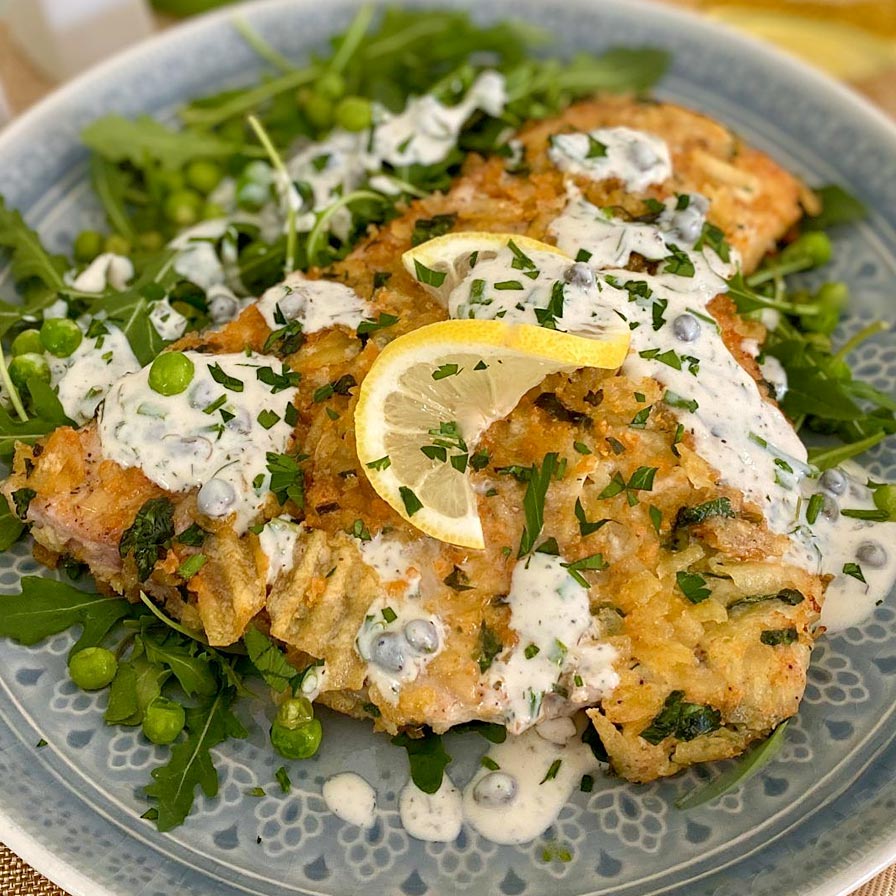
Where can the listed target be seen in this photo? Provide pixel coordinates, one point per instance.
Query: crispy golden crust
(712, 650)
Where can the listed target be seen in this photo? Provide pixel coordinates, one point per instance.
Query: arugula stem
(830, 457)
(878, 326)
(289, 263)
(261, 46)
(11, 390)
(248, 100)
(395, 43)
(353, 36)
(195, 636)
(778, 272)
(315, 237)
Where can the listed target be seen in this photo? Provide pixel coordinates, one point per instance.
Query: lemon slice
(431, 394)
(844, 50)
(441, 263)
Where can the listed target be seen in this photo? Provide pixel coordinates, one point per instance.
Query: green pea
(182, 207)
(27, 341)
(830, 300)
(88, 244)
(212, 210)
(297, 743)
(151, 240)
(117, 244)
(318, 110)
(354, 113)
(163, 721)
(60, 336)
(203, 175)
(814, 246)
(27, 366)
(92, 668)
(330, 85)
(885, 499)
(171, 373)
(170, 181)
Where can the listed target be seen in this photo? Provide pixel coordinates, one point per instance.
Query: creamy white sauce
(436, 817)
(842, 543)
(83, 379)
(494, 290)
(314, 681)
(388, 642)
(105, 271)
(427, 130)
(558, 647)
(752, 457)
(168, 322)
(534, 802)
(278, 540)
(388, 557)
(636, 158)
(197, 258)
(316, 304)
(349, 797)
(58, 309)
(422, 134)
(210, 435)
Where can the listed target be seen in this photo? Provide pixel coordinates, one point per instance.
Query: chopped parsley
(533, 501)
(693, 586)
(489, 647)
(228, 382)
(428, 276)
(779, 637)
(681, 719)
(411, 502)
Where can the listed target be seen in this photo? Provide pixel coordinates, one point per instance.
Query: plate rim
(27, 847)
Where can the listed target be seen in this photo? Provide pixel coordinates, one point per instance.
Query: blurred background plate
(820, 820)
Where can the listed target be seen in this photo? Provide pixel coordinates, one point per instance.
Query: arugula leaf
(29, 258)
(110, 185)
(269, 660)
(837, 207)
(746, 766)
(190, 764)
(427, 757)
(146, 140)
(45, 607)
(11, 527)
(149, 535)
(131, 308)
(492, 732)
(137, 683)
(193, 672)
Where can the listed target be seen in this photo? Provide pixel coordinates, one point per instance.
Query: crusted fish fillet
(710, 653)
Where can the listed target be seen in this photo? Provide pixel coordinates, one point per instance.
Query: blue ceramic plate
(819, 820)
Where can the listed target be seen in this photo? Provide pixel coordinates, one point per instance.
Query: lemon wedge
(431, 394)
(441, 263)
